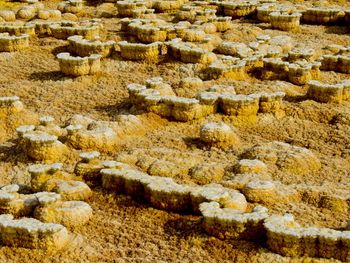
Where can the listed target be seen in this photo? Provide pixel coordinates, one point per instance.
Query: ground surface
(123, 230)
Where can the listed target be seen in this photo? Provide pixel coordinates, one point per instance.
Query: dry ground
(123, 230)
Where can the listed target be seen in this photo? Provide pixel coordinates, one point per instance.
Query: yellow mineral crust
(10, 43)
(71, 6)
(250, 166)
(288, 238)
(87, 29)
(31, 233)
(219, 135)
(322, 15)
(127, 7)
(138, 51)
(327, 93)
(165, 193)
(239, 8)
(227, 198)
(42, 173)
(68, 213)
(149, 99)
(43, 147)
(285, 21)
(288, 158)
(227, 67)
(84, 47)
(79, 66)
(17, 29)
(229, 223)
(68, 189)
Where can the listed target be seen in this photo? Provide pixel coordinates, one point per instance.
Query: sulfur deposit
(79, 66)
(87, 29)
(288, 158)
(229, 223)
(174, 131)
(85, 48)
(41, 174)
(68, 213)
(138, 51)
(326, 93)
(17, 29)
(287, 237)
(13, 43)
(285, 21)
(32, 233)
(206, 103)
(219, 135)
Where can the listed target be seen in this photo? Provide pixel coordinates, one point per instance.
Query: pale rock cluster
(239, 180)
(227, 67)
(288, 238)
(331, 199)
(71, 6)
(323, 15)
(225, 211)
(84, 47)
(8, 15)
(139, 51)
(174, 164)
(30, 12)
(329, 93)
(87, 134)
(12, 114)
(250, 166)
(188, 52)
(52, 209)
(206, 173)
(298, 72)
(208, 102)
(285, 21)
(267, 192)
(17, 29)
(230, 223)
(41, 146)
(50, 178)
(130, 8)
(288, 158)
(238, 9)
(11, 104)
(164, 193)
(264, 10)
(339, 61)
(273, 56)
(67, 213)
(219, 135)
(32, 233)
(89, 29)
(49, 142)
(90, 165)
(79, 66)
(167, 6)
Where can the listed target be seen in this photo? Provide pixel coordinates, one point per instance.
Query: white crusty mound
(31, 233)
(288, 158)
